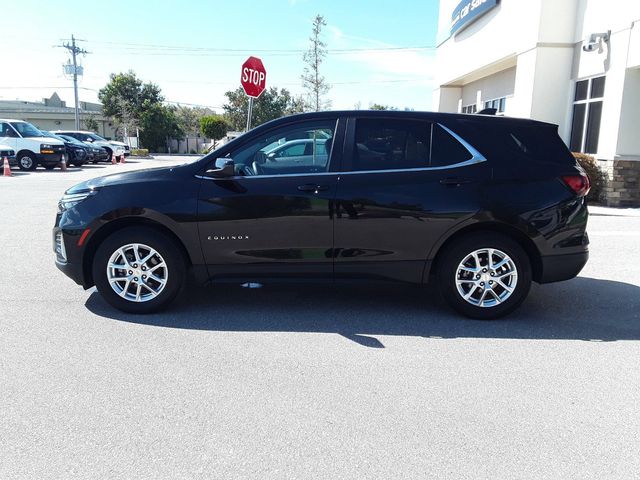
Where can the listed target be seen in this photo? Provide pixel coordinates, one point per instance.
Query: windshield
(96, 137)
(26, 129)
(70, 139)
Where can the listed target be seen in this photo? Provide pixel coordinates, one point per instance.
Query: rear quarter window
(445, 149)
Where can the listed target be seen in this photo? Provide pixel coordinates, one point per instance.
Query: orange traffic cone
(122, 158)
(113, 159)
(63, 164)
(7, 168)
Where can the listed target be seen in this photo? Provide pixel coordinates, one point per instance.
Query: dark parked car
(93, 153)
(77, 152)
(478, 205)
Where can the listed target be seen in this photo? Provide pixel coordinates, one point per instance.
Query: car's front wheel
(27, 161)
(485, 275)
(139, 270)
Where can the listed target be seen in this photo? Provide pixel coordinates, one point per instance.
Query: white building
(575, 63)
(53, 114)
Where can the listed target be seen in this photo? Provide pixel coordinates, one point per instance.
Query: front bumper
(66, 257)
(49, 158)
(100, 157)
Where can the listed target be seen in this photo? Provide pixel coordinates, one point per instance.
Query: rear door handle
(455, 182)
(312, 187)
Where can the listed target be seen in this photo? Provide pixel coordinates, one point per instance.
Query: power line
(174, 50)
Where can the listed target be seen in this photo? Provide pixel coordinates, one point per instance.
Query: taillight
(580, 184)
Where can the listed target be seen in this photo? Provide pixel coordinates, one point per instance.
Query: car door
(8, 136)
(274, 222)
(405, 182)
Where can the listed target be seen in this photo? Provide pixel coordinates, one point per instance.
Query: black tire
(447, 275)
(168, 250)
(27, 161)
(49, 167)
(109, 155)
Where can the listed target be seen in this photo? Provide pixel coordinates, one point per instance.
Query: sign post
(253, 78)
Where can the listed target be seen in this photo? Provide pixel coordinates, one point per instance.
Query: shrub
(213, 126)
(596, 176)
(192, 151)
(140, 152)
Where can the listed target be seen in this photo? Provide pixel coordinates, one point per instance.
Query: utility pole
(75, 51)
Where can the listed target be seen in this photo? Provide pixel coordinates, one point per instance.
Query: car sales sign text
(468, 11)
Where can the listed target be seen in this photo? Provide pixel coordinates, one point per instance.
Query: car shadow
(586, 309)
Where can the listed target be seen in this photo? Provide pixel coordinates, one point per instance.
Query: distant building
(53, 114)
(575, 63)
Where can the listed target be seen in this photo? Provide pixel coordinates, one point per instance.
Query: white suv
(111, 147)
(32, 147)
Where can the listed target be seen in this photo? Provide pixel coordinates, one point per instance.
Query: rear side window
(387, 144)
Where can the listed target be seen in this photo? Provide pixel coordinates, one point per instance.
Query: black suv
(481, 205)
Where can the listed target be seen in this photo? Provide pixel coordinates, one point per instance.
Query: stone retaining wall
(623, 182)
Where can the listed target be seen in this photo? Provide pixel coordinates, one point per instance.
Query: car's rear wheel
(139, 270)
(27, 161)
(485, 275)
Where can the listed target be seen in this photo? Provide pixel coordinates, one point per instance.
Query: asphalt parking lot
(312, 382)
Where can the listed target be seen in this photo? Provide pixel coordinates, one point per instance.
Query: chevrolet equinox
(480, 205)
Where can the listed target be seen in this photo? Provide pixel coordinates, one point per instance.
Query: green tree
(314, 83)
(126, 97)
(270, 105)
(214, 127)
(377, 106)
(158, 124)
(90, 123)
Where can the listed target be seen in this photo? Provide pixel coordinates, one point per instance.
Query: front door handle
(455, 182)
(312, 187)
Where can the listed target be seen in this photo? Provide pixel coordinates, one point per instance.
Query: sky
(379, 51)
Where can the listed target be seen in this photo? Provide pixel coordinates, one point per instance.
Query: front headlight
(46, 148)
(70, 200)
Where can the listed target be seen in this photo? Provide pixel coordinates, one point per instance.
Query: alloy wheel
(137, 272)
(486, 277)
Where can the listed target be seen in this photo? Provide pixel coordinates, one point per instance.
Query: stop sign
(253, 77)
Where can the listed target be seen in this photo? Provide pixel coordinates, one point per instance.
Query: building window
(498, 103)
(587, 112)
(469, 109)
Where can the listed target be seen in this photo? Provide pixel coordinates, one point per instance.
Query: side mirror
(224, 167)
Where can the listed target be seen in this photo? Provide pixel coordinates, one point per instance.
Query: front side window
(302, 148)
(587, 112)
(7, 131)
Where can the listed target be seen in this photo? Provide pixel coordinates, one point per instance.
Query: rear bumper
(556, 268)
